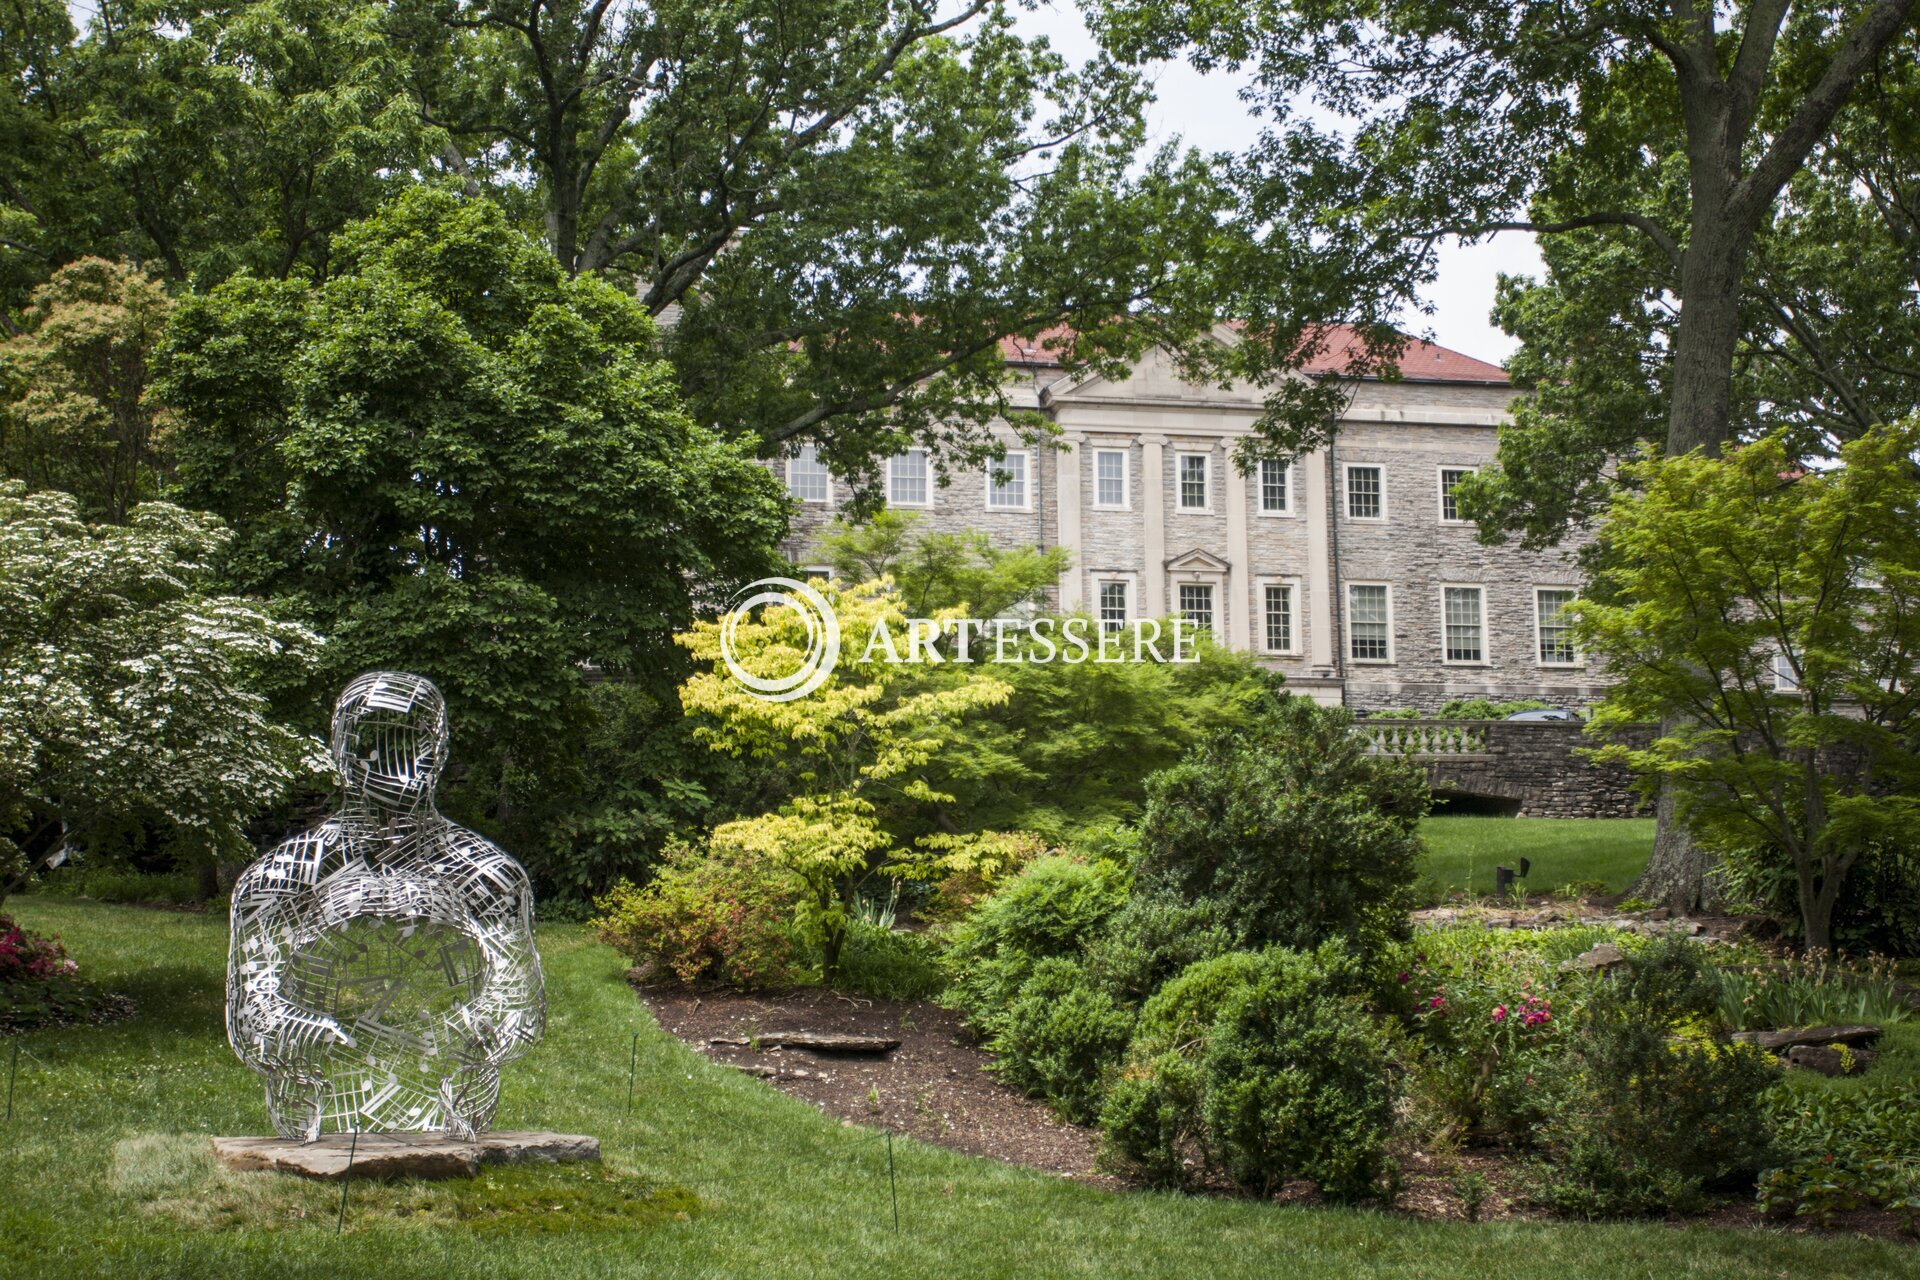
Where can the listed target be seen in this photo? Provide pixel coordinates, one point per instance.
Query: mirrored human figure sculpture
(382, 967)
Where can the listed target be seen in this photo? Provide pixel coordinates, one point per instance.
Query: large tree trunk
(1679, 874)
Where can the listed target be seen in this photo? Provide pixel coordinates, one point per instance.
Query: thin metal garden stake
(892, 1187)
(346, 1178)
(13, 1067)
(633, 1059)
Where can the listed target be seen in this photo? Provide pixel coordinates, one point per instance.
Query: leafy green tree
(934, 571)
(74, 410)
(451, 458)
(133, 696)
(1071, 749)
(205, 138)
(1770, 617)
(1829, 342)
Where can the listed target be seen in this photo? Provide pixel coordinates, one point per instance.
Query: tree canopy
(844, 206)
(1396, 125)
(452, 458)
(74, 410)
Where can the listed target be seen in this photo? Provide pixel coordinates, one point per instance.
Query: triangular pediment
(1197, 561)
(1154, 379)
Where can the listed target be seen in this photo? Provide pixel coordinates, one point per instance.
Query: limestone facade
(1141, 489)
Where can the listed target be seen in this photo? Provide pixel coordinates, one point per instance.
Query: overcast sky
(1206, 112)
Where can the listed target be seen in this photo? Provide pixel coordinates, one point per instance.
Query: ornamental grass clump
(1810, 991)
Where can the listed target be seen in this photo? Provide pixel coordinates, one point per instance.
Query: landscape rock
(402, 1155)
(1829, 1061)
(1787, 1037)
(1604, 955)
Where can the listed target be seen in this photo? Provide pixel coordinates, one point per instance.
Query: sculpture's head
(390, 740)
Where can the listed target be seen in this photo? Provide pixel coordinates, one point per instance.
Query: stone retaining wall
(1532, 763)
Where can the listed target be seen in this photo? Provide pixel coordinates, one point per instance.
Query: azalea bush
(707, 918)
(39, 982)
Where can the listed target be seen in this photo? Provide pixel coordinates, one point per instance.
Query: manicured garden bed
(719, 1174)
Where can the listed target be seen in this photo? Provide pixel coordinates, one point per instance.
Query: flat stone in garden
(1790, 1036)
(818, 1041)
(402, 1155)
(1603, 956)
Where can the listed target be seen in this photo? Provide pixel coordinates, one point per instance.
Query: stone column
(1066, 475)
(1153, 499)
(1320, 585)
(1239, 551)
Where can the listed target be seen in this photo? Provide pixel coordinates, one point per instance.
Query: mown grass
(1462, 852)
(104, 1172)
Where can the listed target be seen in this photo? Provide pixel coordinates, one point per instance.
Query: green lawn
(105, 1172)
(1462, 852)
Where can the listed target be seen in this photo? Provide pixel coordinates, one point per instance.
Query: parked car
(1546, 713)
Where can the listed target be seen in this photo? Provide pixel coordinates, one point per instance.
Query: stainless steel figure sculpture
(382, 965)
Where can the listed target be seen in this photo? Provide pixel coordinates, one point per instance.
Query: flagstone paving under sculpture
(383, 965)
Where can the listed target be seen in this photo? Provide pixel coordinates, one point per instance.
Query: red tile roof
(1419, 360)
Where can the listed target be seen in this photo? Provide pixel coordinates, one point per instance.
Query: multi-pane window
(1196, 604)
(1113, 606)
(1555, 626)
(907, 482)
(1366, 495)
(1007, 482)
(1369, 625)
(1279, 618)
(1464, 624)
(1784, 677)
(807, 477)
(1274, 491)
(1109, 478)
(1193, 482)
(1450, 478)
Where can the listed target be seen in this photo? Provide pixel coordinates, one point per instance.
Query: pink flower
(1436, 1002)
(1405, 976)
(1499, 1013)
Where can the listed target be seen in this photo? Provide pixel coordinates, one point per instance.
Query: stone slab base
(402, 1155)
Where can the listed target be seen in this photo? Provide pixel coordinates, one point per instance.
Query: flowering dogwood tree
(128, 692)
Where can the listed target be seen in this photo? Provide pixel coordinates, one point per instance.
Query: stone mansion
(1351, 571)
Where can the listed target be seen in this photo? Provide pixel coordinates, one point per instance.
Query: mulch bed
(937, 1086)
